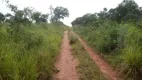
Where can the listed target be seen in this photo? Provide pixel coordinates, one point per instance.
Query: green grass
(29, 52)
(132, 62)
(119, 44)
(86, 68)
(113, 60)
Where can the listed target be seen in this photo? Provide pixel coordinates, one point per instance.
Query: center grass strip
(87, 69)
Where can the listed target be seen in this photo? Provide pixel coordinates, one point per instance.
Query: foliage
(59, 13)
(126, 11)
(122, 41)
(28, 15)
(115, 33)
(28, 49)
(87, 69)
(28, 53)
(2, 17)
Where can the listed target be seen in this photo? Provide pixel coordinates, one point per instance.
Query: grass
(120, 45)
(132, 62)
(86, 68)
(29, 52)
(113, 60)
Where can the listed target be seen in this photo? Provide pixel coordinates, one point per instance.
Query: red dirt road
(66, 64)
(105, 68)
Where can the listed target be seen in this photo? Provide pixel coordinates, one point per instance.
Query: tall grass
(121, 42)
(132, 62)
(87, 69)
(28, 52)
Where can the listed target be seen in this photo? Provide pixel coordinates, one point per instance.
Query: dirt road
(105, 68)
(66, 64)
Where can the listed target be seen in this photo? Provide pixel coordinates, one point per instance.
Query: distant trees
(127, 10)
(29, 15)
(85, 19)
(44, 17)
(35, 16)
(59, 13)
(2, 17)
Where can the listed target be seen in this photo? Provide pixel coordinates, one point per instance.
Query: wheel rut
(65, 63)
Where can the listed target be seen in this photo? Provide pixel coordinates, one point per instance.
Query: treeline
(126, 11)
(116, 33)
(29, 15)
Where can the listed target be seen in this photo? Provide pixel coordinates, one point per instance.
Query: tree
(77, 21)
(28, 13)
(60, 13)
(35, 16)
(126, 10)
(103, 14)
(2, 17)
(51, 15)
(13, 8)
(19, 14)
(86, 19)
(9, 17)
(38, 17)
(44, 17)
(105, 9)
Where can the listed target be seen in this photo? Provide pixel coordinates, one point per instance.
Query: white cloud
(76, 7)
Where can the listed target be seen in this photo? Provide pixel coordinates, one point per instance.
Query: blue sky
(76, 7)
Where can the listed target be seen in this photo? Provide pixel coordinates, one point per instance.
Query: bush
(106, 39)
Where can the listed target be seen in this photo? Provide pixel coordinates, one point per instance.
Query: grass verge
(87, 69)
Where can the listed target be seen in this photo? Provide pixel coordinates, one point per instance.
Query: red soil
(66, 64)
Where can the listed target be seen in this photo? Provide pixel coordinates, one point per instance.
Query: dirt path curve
(66, 64)
(104, 67)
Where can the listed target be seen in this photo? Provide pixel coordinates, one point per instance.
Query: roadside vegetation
(28, 54)
(29, 44)
(87, 69)
(116, 35)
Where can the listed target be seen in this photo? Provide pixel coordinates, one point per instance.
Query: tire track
(66, 64)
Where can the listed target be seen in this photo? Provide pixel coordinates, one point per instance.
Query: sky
(76, 8)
